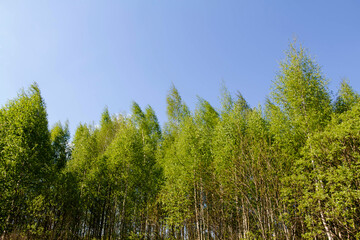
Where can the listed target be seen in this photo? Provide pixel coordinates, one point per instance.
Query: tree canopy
(286, 170)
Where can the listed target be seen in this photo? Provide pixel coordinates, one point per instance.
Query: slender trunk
(238, 220)
(202, 215)
(122, 219)
(327, 230)
(102, 219)
(245, 227)
(196, 212)
(272, 219)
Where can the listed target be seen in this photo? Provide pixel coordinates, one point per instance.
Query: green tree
(300, 106)
(149, 174)
(124, 159)
(60, 136)
(25, 162)
(173, 193)
(81, 168)
(177, 110)
(346, 98)
(329, 177)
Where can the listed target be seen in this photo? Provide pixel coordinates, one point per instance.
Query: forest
(287, 170)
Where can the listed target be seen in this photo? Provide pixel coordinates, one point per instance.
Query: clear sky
(88, 54)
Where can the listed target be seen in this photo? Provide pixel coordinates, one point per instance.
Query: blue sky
(86, 55)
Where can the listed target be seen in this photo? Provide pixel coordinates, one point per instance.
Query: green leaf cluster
(286, 170)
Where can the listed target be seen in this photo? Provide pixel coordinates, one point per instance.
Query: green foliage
(25, 159)
(177, 111)
(330, 175)
(60, 136)
(300, 92)
(290, 170)
(346, 98)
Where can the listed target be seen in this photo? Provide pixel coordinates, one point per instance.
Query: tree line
(287, 170)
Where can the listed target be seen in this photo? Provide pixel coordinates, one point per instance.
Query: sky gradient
(86, 55)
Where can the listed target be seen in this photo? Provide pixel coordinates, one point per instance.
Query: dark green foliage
(60, 136)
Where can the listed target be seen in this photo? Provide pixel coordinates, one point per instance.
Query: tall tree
(173, 193)
(25, 161)
(301, 105)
